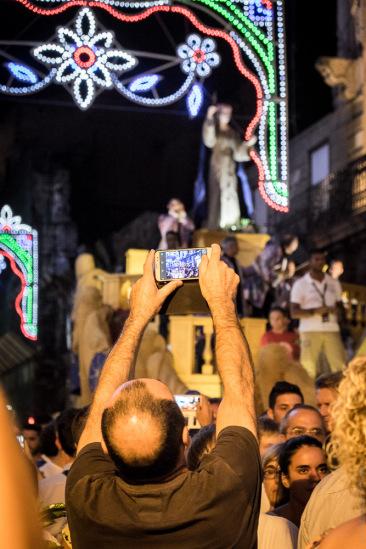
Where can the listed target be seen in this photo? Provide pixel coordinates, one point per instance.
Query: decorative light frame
(19, 244)
(255, 30)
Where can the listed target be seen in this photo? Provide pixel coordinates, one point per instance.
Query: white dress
(223, 198)
(276, 533)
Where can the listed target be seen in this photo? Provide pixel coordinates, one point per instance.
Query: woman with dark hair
(302, 464)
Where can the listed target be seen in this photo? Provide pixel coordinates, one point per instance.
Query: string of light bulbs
(256, 31)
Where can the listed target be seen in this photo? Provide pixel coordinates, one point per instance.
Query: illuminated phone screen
(178, 264)
(187, 403)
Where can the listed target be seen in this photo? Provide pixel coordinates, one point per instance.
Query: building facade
(328, 159)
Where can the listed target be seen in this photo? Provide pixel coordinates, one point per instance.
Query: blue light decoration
(32, 88)
(195, 100)
(21, 72)
(144, 83)
(154, 101)
(261, 10)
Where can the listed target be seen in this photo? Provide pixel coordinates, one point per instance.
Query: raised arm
(146, 301)
(219, 286)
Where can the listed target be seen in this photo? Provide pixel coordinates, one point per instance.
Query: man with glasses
(303, 419)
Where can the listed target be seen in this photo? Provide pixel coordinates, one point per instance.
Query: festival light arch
(19, 245)
(87, 59)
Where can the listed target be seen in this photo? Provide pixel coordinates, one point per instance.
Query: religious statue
(227, 149)
(176, 228)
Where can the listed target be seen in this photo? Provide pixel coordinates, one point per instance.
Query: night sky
(124, 160)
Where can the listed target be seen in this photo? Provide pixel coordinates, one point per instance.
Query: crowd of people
(126, 472)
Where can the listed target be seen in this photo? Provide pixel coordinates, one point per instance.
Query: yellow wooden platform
(250, 244)
(182, 339)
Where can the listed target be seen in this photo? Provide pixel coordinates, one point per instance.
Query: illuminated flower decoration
(10, 223)
(85, 57)
(198, 55)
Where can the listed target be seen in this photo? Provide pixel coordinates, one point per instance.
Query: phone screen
(21, 441)
(179, 264)
(187, 403)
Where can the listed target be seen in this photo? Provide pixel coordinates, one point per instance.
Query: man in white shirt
(315, 298)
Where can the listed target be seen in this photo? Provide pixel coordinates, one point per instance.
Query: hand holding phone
(218, 282)
(180, 264)
(146, 299)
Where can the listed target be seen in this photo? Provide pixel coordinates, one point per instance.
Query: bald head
(143, 430)
(301, 420)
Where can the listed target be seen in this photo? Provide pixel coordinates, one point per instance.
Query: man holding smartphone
(129, 485)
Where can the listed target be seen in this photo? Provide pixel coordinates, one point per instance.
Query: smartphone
(189, 404)
(178, 264)
(21, 441)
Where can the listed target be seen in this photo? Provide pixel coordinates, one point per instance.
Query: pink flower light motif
(198, 55)
(84, 57)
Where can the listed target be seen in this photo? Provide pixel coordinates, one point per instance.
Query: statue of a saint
(228, 148)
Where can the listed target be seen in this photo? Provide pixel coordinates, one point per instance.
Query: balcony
(338, 203)
(342, 193)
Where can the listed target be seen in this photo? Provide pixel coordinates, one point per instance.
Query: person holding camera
(315, 300)
(129, 485)
(176, 228)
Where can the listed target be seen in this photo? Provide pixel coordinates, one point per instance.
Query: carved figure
(90, 320)
(275, 363)
(345, 73)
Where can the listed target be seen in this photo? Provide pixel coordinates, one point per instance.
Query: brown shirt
(214, 507)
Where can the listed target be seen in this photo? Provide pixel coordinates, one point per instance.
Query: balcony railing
(338, 198)
(342, 193)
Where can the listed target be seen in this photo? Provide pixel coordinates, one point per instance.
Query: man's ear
(270, 413)
(104, 447)
(58, 444)
(285, 481)
(185, 436)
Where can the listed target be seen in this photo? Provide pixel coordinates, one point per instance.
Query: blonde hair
(349, 434)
